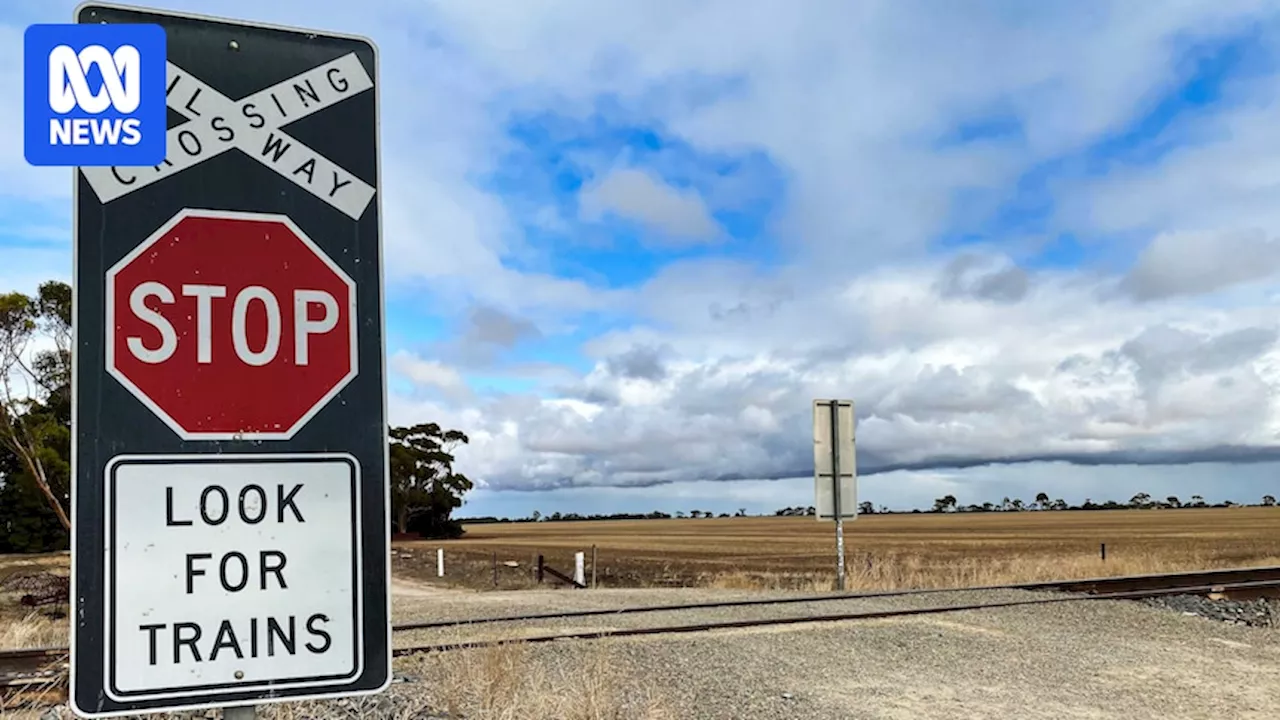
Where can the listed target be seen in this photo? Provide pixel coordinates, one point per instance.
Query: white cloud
(680, 215)
(430, 374)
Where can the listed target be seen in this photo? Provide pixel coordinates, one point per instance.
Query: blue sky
(629, 244)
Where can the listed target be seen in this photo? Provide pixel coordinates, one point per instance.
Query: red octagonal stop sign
(231, 325)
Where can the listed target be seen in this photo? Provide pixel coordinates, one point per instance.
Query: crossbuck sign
(253, 125)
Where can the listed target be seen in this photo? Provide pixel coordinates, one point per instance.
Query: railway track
(23, 669)
(32, 676)
(1273, 586)
(1236, 583)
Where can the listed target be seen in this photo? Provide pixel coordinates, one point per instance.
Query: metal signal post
(834, 470)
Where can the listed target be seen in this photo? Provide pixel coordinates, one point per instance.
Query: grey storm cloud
(727, 421)
(1164, 350)
(969, 275)
(1196, 263)
(486, 333)
(644, 363)
(490, 326)
(869, 465)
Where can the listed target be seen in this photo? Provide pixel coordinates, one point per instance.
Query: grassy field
(883, 552)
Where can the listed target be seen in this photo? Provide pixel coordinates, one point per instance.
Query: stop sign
(231, 325)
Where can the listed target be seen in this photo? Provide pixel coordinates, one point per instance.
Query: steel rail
(32, 666)
(1094, 585)
(33, 653)
(835, 617)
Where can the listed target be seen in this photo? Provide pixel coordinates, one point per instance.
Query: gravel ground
(1093, 660)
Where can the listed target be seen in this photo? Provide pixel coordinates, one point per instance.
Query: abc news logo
(69, 89)
(95, 94)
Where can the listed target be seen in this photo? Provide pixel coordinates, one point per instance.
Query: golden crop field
(882, 551)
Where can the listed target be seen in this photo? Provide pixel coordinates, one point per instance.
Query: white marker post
(579, 568)
(440, 562)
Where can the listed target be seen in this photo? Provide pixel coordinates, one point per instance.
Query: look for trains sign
(231, 325)
(230, 523)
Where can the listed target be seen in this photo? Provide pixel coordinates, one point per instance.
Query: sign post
(230, 503)
(835, 470)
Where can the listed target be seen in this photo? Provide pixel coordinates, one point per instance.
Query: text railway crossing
(253, 125)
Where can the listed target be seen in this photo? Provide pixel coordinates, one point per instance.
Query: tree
(27, 523)
(1173, 501)
(1197, 501)
(1268, 500)
(1042, 500)
(424, 488)
(695, 513)
(945, 503)
(866, 508)
(35, 384)
(1140, 500)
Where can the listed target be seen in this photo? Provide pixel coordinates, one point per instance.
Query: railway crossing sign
(834, 456)
(230, 506)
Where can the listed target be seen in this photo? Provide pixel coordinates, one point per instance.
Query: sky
(628, 244)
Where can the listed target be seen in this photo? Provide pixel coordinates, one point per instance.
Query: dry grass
(22, 627)
(499, 683)
(506, 682)
(882, 552)
(34, 630)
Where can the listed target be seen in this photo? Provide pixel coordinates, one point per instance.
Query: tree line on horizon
(945, 504)
(35, 437)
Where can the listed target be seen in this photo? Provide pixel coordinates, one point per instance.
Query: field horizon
(891, 551)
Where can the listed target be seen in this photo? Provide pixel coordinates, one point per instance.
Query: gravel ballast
(1254, 613)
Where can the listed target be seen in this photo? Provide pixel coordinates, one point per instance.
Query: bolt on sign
(230, 500)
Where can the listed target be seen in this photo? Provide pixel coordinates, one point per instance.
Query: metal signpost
(230, 497)
(835, 483)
